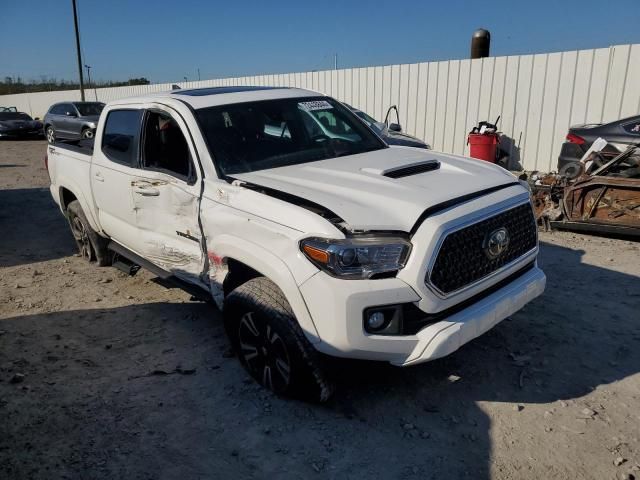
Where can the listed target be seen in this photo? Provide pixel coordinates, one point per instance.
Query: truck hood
(355, 187)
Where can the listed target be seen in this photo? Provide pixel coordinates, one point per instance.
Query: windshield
(14, 116)
(88, 109)
(246, 137)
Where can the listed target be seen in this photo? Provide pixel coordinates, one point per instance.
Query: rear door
(56, 117)
(115, 165)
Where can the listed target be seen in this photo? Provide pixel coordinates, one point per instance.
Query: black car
(18, 124)
(618, 134)
(391, 133)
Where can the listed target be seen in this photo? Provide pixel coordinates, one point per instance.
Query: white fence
(537, 96)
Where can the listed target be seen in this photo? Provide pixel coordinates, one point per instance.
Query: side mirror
(395, 127)
(37, 119)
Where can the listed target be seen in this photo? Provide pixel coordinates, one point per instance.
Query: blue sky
(165, 40)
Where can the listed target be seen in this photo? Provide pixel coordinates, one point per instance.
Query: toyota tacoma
(314, 237)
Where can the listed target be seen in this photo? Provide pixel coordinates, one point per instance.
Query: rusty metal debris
(596, 196)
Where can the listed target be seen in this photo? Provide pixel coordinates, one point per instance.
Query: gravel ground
(108, 376)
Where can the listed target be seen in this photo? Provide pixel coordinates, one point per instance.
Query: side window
(58, 109)
(68, 108)
(330, 123)
(120, 136)
(164, 146)
(633, 128)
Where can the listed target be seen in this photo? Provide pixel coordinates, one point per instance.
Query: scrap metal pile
(592, 194)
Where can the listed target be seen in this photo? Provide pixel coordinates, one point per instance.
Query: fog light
(376, 320)
(383, 320)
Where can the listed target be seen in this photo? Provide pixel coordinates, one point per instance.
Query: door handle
(146, 191)
(98, 177)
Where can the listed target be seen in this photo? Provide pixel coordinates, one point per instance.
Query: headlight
(357, 257)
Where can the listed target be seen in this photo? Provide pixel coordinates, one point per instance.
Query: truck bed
(84, 146)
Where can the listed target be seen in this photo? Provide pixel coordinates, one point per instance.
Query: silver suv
(72, 120)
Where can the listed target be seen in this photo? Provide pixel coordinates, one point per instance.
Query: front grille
(462, 258)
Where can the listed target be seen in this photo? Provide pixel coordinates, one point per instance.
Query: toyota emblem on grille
(496, 243)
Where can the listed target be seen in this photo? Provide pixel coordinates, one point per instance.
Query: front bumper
(337, 309)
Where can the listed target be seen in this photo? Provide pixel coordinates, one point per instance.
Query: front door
(166, 197)
(67, 120)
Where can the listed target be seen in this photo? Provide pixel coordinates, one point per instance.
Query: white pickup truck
(314, 236)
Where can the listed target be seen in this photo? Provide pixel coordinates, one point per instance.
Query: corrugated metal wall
(537, 96)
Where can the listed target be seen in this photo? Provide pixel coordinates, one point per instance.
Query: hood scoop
(405, 170)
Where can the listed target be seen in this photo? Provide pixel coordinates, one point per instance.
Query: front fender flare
(224, 247)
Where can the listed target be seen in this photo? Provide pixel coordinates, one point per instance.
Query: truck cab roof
(215, 96)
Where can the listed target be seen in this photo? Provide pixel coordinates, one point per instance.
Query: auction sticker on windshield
(315, 105)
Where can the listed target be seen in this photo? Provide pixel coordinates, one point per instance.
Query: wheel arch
(66, 197)
(67, 194)
(233, 261)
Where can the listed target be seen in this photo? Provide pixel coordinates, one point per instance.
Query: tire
(270, 343)
(50, 134)
(87, 133)
(91, 246)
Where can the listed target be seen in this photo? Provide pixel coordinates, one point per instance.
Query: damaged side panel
(166, 213)
(262, 243)
(609, 200)
(606, 201)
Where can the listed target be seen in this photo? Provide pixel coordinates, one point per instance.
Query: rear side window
(58, 109)
(121, 136)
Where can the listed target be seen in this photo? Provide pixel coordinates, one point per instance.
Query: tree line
(11, 85)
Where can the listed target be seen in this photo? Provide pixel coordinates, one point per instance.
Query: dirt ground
(108, 376)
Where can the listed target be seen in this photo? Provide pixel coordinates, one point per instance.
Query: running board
(138, 261)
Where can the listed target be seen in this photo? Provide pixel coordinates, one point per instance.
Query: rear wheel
(270, 343)
(51, 134)
(91, 246)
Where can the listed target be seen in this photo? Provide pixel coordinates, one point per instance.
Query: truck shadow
(149, 391)
(32, 229)
(582, 333)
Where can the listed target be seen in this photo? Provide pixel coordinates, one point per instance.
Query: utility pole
(75, 23)
(198, 74)
(335, 61)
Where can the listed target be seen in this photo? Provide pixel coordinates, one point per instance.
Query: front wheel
(270, 343)
(51, 134)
